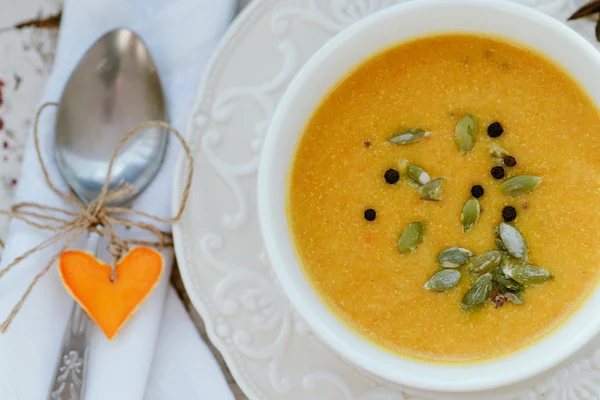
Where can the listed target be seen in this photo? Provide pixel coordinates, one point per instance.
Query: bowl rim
(324, 331)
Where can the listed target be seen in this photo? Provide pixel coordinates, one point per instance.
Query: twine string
(97, 216)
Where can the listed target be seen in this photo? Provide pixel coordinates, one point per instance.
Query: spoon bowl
(114, 87)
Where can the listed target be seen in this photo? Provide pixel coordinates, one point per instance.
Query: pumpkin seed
(443, 280)
(514, 298)
(520, 185)
(466, 133)
(530, 274)
(470, 214)
(499, 244)
(513, 241)
(486, 262)
(432, 190)
(479, 292)
(411, 237)
(410, 136)
(509, 263)
(454, 257)
(497, 153)
(416, 175)
(505, 283)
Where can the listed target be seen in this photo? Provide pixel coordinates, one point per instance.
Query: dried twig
(588, 9)
(50, 22)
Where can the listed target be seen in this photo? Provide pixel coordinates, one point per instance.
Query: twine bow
(98, 216)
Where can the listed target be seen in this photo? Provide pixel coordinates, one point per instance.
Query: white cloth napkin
(181, 34)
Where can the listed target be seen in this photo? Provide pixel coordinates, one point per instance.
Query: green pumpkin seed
(416, 175)
(498, 153)
(514, 298)
(432, 190)
(530, 274)
(454, 257)
(499, 244)
(486, 262)
(470, 214)
(520, 185)
(443, 280)
(411, 237)
(505, 283)
(513, 241)
(509, 263)
(479, 292)
(410, 136)
(466, 133)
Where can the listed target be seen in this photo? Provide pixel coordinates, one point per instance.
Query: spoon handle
(69, 375)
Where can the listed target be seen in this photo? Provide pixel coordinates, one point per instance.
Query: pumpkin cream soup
(445, 198)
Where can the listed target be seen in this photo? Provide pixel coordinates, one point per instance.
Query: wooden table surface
(28, 33)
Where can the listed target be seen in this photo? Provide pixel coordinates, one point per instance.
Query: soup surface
(551, 128)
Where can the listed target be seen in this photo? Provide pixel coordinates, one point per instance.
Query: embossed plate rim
(227, 41)
(579, 377)
(415, 18)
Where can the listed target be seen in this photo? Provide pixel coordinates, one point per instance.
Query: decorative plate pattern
(269, 349)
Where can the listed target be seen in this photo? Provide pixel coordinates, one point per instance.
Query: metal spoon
(114, 87)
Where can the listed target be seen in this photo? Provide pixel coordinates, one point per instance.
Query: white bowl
(313, 82)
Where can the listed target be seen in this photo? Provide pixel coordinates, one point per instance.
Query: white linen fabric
(181, 34)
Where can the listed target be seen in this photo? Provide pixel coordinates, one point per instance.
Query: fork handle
(70, 372)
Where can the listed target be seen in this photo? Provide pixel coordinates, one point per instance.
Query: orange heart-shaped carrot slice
(111, 304)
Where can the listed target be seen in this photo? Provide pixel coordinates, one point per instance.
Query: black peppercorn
(498, 172)
(495, 130)
(477, 191)
(509, 213)
(510, 161)
(392, 176)
(370, 214)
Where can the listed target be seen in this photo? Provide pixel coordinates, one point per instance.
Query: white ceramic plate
(220, 252)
